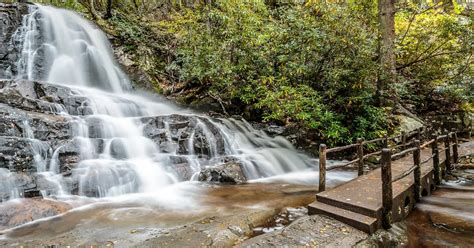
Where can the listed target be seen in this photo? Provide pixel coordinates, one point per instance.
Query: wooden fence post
(404, 140)
(455, 148)
(435, 153)
(322, 167)
(447, 146)
(360, 154)
(386, 188)
(418, 134)
(417, 171)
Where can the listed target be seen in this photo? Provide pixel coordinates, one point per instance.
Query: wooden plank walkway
(359, 201)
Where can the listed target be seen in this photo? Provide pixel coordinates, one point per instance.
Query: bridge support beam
(386, 188)
(404, 140)
(322, 167)
(417, 171)
(360, 155)
(435, 153)
(447, 146)
(455, 148)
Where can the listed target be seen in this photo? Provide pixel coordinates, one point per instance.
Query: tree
(386, 25)
(108, 11)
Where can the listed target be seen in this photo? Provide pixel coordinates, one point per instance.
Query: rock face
(184, 134)
(10, 19)
(229, 173)
(43, 127)
(35, 134)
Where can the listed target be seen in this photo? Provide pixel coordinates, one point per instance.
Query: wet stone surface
(229, 173)
(34, 131)
(309, 231)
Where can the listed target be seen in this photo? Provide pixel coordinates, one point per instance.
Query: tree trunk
(387, 74)
(90, 5)
(108, 12)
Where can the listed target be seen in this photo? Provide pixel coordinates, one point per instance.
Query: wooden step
(347, 205)
(359, 221)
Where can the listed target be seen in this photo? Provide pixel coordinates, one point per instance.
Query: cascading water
(127, 143)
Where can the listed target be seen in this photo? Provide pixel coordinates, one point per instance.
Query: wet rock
(16, 154)
(10, 19)
(42, 97)
(452, 222)
(184, 171)
(17, 123)
(45, 185)
(183, 134)
(309, 231)
(394, 237)
(228, 173)
(17, 213)
(13, 184)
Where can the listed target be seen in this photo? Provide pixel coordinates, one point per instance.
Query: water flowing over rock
(10, 20)
(70, 124)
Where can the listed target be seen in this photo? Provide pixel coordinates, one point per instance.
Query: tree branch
(430, 55)
(413, 19)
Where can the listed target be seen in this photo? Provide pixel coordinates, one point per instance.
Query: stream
(444, 219)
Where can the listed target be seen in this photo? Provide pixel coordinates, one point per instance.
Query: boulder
(409, 124)
(228, 173)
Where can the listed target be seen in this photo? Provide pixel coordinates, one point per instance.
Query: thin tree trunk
(89, 4)
(387, 74)
(108, 12)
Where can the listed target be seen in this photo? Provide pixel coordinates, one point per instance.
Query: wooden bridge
(389, 193)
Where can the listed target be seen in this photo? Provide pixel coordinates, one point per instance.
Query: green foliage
(67, 4)
(310, 65)
(435, 54)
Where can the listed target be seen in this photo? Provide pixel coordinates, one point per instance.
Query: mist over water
(117, 158)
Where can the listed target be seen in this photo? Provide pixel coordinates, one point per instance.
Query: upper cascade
(61, 47)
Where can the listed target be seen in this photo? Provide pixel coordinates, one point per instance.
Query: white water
(60, 47)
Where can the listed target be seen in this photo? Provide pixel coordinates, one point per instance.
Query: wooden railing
(399, 142)
(387, 179)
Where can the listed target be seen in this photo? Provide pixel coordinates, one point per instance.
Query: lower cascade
(71, 125)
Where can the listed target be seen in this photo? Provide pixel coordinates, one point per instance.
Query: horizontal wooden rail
(372, 154)
(403, 145)
(404, 152)
(374, 140)
(442, 137)
(404, 174)
(427, 143)
(342, 165)
(428, 159)
(444, 149)
(341, 148)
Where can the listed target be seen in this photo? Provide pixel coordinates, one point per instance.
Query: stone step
(359, 221)
(347, 205)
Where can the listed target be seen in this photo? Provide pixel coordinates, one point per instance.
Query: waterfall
(120, 151)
